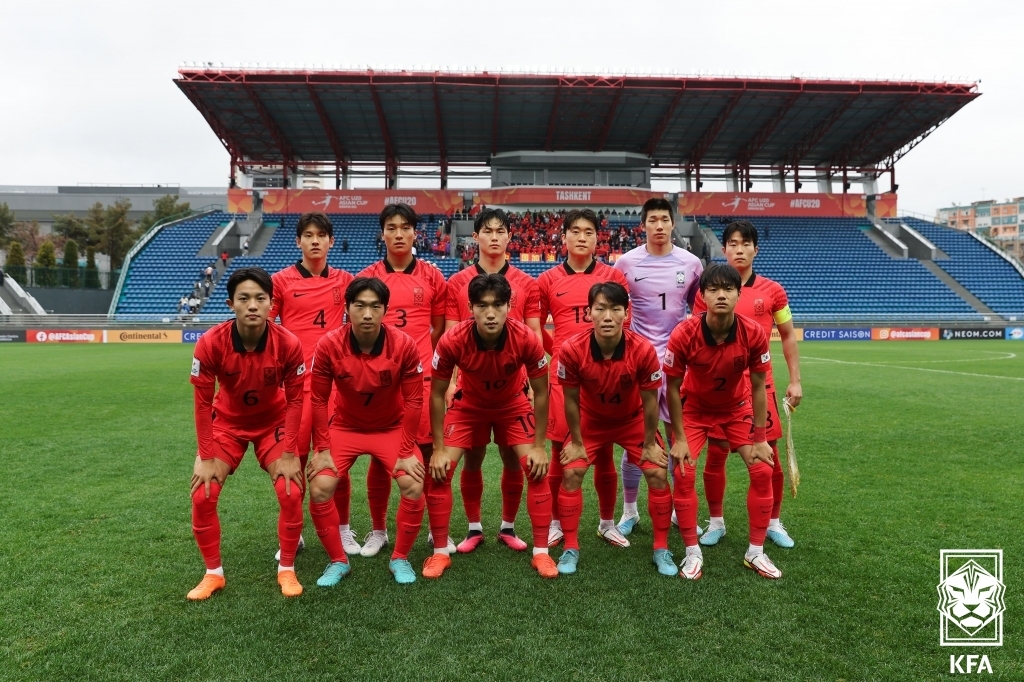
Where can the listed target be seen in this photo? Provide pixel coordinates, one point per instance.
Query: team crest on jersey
(510, 368)
(417, 295)
(759, 306)
(625, 381)
(195, 367)
(385, 377)
(738, 364)
(680, 278)
(269, 376)
(670, 359)
(512, 301)
(336, 291)
(301, 370)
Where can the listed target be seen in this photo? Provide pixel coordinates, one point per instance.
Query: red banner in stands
(569, 196)
(779, 204)
(345, 201)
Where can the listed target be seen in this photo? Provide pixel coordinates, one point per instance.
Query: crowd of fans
(540, 234)
(190, 303)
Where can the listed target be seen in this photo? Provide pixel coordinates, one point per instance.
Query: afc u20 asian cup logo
(971, 597)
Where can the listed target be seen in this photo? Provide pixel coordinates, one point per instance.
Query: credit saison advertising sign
(838, 334)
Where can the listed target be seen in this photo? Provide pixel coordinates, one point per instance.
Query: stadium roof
(297, 117)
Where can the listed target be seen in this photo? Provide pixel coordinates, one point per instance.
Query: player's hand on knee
(572, 452)
(318, 462)
(681, 453)
(537, 460)
(449, 396)
(291, 469)
(761, 452)
(439, 462)
(412, 466)
(794, 394)
(203, 474)
(655, 454)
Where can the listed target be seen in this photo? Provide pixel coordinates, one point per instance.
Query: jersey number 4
(320, 320)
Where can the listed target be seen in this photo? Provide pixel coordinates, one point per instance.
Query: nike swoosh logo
(297, 295)
(638, 279)
(231, 374)
(562, 294)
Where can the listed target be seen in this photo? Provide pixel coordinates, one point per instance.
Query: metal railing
(146, 238)
(122, 320)
(61, 277)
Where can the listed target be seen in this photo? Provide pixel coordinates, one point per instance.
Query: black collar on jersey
(378, 345)
(598, 354)
(481, 271)
(239, 345)
(570, 271)
(750, 282)
(502, 338)
(408, 270)
(306, 273)
(709, 338)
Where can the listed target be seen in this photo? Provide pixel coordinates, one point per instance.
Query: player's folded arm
(203, 399)
(320, 393)
(412, 393)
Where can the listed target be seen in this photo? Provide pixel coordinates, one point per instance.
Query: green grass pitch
(905, 449)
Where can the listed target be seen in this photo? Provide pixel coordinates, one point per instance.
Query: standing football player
(416, 307)
(764, 301)
(662, 281)
(709, 355)
(310, 302)
(610, 377)
(564, 294)
(491, 232)
(498, 358)
(379, 378)
(250, 360)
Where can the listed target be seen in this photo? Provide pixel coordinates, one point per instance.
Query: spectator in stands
(209, 273)
(224, 258)
(193, 304)
(705, 253)
(196, 288)
(245, 247)
(206, 288)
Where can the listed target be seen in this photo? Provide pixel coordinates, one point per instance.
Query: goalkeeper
(765, 302)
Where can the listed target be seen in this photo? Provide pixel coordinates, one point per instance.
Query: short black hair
(657, 204)
(487, 215)
(720, 275)
(490, 283)
(258, 275)
(746, 229)
(580, 214)
(614, 292)
(405, 211)
(361, 284)
(318, 218)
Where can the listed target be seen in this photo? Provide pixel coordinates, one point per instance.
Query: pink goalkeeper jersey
(660, 288)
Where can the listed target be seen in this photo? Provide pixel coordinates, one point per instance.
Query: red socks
(378, 494)
(606, 482)
(538, 504)
(325, 520)
(439, 509)
(289, 520)
(570, 508)
(778, 482)
(343, 498)
(659, 506)
(686, 502)
(759, 501)
(472, 485)
(512, 495)
(407, 525)
(714, 478)
(555, 477)
(206, 524)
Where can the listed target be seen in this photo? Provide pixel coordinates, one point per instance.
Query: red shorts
(558, 429)
(304, 437)
(599, 436)
(383, 446)
(230, 443)
(467, 426)
(736, 427)
(772, 427)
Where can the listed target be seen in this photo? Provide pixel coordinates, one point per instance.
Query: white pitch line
(1005, 356)
(919, 369)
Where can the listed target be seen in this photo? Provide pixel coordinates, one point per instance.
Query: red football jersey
(250, 395)
(762, 300)
(309, 306)
(610, 388)
(525, 302)
(564, 294)
(714, 375)
(417, 296)
(490, 378)
(376, 391)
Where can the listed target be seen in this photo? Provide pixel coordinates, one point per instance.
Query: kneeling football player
(709, 355)
(379, 378)
(610, 377)
(251, 360)
(496, 357)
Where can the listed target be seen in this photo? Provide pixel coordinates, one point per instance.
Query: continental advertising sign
(64, 336)
(142, 336)
(905, 334)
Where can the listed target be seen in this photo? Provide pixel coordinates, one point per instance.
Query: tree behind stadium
(69, 274)
(92, 275)
(46, 265)
(15, 267)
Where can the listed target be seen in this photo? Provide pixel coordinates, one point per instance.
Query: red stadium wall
(780, 204)
(345, 201)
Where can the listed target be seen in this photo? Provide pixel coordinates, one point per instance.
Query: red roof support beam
(666, 118)
(855, 147)
(332, 137)
(553, 118)
(279, 139)
(811, 139)
(442, 148)
(709, 135)
(390, 162)
(760, 138)
(494, 118)
(606, 129)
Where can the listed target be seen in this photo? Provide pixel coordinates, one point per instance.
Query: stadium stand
(830, 267)
(977, 267)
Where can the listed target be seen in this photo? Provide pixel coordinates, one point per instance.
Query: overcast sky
(86, 93)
